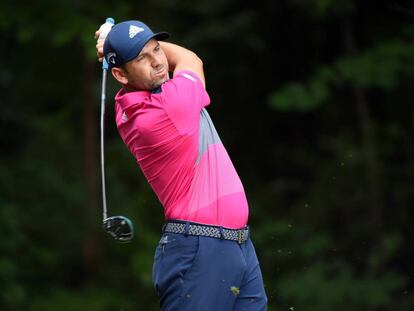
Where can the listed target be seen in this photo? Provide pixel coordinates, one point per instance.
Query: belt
(238, 235)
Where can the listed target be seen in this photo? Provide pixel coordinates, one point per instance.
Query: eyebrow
(145, 53)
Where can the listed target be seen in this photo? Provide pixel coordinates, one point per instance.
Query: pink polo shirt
(174, 141)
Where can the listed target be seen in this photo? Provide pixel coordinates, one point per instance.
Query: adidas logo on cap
(134, 30)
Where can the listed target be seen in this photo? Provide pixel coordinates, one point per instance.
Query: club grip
(105, 29)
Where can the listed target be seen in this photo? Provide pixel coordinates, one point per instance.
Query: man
(205, 259)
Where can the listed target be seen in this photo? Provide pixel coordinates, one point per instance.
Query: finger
(97, 33)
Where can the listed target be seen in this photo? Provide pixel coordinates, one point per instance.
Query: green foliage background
(313, 100)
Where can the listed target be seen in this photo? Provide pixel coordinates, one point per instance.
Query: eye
(157, 48)
(140, 58)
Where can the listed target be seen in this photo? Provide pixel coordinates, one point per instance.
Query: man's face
(148, 70)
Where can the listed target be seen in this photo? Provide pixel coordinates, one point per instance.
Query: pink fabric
(216, 194)
(162, 132)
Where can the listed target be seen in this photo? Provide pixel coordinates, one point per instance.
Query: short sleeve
(183, 98)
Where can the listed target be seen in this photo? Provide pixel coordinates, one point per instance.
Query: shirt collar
(126, 99)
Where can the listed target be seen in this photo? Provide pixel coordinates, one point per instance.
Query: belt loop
(221, 232)
(240, 236)
(164, 226)
(186, 228)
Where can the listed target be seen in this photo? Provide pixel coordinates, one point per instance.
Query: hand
(100, 35)
(99, 45)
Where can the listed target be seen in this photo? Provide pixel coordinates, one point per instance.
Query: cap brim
(161, 36)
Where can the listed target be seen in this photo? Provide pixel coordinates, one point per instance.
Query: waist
(239, 235)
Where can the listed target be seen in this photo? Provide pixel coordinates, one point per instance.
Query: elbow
(200, 62)
(197, 60)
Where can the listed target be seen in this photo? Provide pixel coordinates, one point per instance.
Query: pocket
(174, 256)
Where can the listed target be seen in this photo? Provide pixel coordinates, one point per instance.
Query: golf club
(118, 227)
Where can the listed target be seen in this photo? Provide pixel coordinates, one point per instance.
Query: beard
(159, 82)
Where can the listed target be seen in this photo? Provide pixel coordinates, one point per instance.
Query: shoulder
(185, 85)
(187, 75)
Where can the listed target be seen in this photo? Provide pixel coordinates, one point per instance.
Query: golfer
(205, 259)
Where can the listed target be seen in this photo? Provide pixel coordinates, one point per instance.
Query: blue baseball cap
(126, 40)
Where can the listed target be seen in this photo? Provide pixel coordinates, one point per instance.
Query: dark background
(313, 100)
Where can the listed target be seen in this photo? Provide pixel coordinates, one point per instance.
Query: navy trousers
(193, 273)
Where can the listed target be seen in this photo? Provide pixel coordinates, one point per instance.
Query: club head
(119, 227)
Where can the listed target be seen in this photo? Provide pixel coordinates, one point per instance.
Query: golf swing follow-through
(119, 227)
(205, 259)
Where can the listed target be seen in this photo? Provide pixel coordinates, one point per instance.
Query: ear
(120, 75)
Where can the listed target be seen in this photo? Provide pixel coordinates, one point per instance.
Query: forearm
(180, 58)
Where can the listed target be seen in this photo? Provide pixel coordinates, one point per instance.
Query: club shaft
(105, 213)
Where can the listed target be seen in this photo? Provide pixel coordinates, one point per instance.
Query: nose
(156, 61)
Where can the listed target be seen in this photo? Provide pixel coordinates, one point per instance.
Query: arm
(180, 58)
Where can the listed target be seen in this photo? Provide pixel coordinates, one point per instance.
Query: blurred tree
(326, 165)
(350, 194)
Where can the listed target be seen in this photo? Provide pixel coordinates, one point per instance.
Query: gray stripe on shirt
(207, 134)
